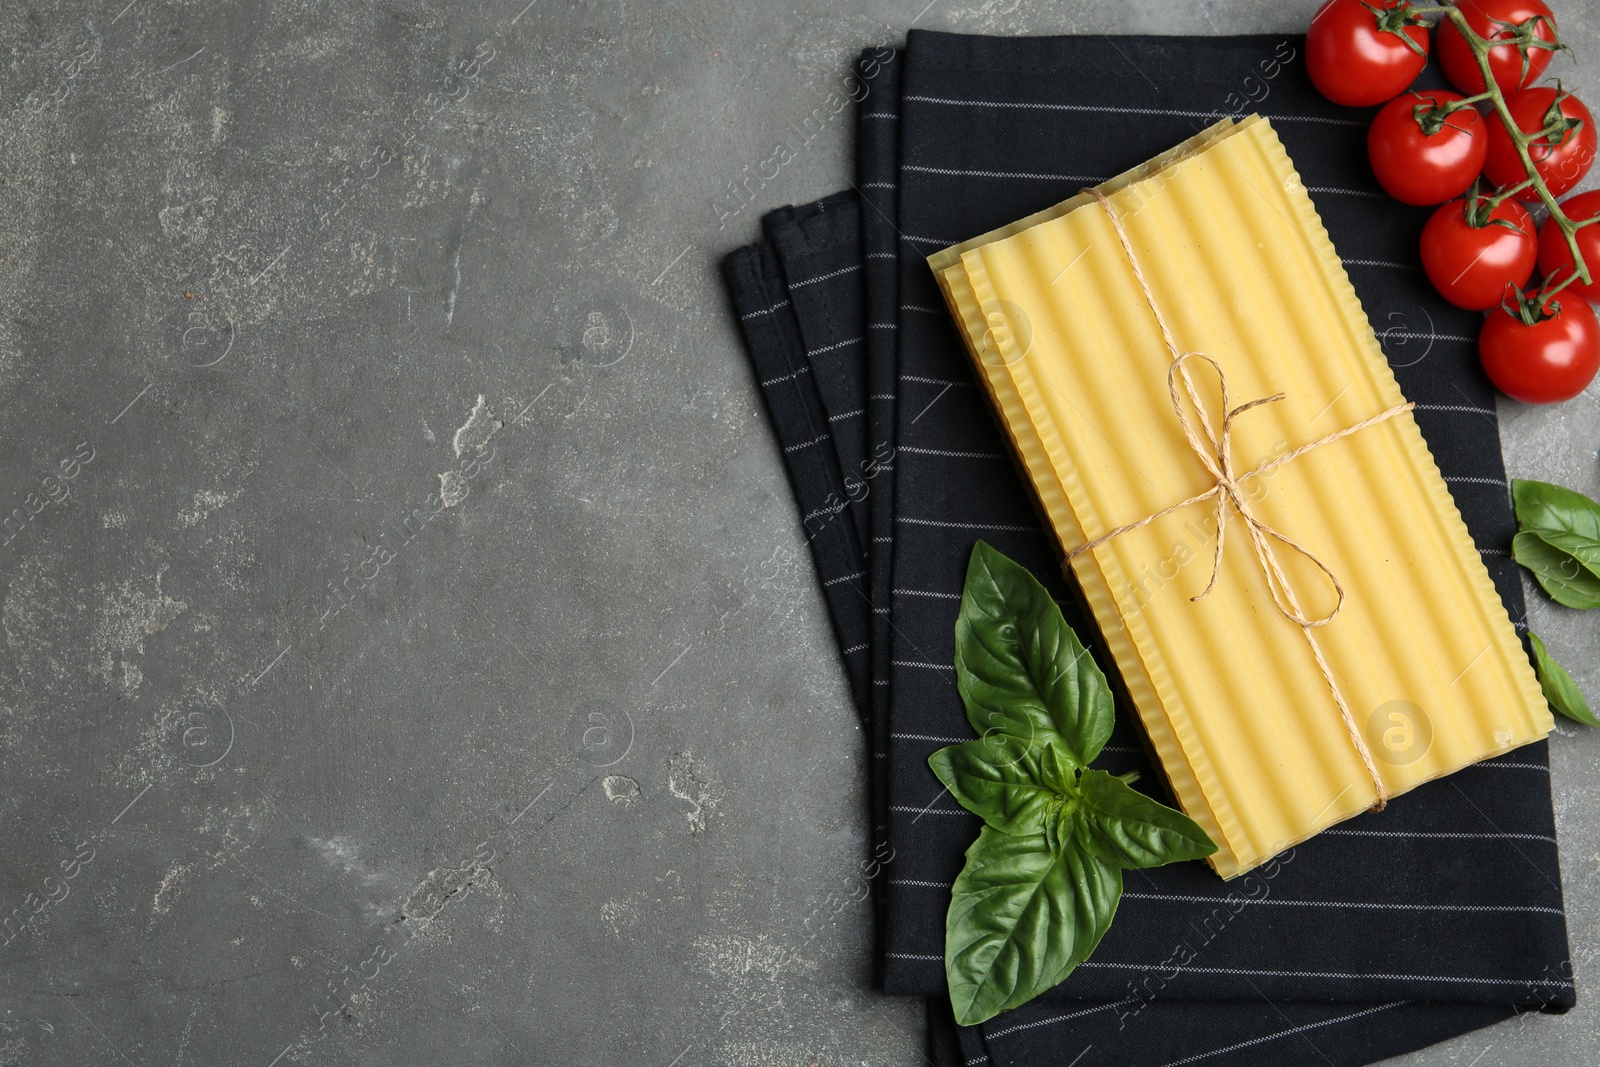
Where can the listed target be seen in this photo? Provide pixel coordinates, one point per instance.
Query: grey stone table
(409, 652)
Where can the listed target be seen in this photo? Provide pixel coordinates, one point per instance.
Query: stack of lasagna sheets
(1382, 934)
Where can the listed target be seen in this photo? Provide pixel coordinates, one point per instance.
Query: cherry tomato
(1358, 55)
(1471, 253)
(1423, 155)
(1552, 360)
(1561, 162)
(1493, 20)
(1555, 258)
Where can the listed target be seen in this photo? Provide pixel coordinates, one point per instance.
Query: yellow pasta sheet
(1244, 723)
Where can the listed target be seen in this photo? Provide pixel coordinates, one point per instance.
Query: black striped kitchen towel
(1392, 931)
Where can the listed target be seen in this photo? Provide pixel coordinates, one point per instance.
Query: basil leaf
(1559, 688)
(1558, 573)
(1129, 829)
(1564, 520)
(998, 778)
(1059, 772)
(1021, 918)
(1019, 667)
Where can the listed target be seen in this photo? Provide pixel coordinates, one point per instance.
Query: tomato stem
(1538, 306)
(1505, 194)
(1519, 140)
(1571, 277)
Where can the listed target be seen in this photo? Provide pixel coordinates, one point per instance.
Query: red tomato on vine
(1526, 26)
(1422, 151)
(1360, 54)
(1555, 257)
(1562, 152)
(1472, 252)
(1539, 349)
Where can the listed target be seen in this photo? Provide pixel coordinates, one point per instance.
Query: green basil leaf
(1060, 773)
(1566, 519)
(1558, 573)
(1019, 667)
(1545, 506)
(1130, 830)
(1021, 917)
(998, 778)
(1559, 688)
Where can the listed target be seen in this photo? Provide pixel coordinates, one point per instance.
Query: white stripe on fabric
(967, 525)
(1507, 767)
(835, 345)
(765, 311)
(785, 377)
(1107, 110)
(847, 415)
(854, 649)
(806, 444)
(924, 310)
(1285, 1033)
(844, 577)
(927, 592)
(1442, 835)
(1474, 481)
(992, 1034)
(1454, 407)
(1022, 174)
(1282, 902)
(919, 379)
(941, 242)
(1412, 335)
(825, 277)
(1180, 898)
(1380, 263)
(952, 454)
(924, 666)
(1375, 194)
(1248, 972)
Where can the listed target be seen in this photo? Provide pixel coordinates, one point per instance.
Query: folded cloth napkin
(1390, 932)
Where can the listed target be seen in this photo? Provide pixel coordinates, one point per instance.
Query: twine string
(1213, 446)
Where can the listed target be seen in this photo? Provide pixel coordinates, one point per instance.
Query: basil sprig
(1042, 881)
(1559, 541)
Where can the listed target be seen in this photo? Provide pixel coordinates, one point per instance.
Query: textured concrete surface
(410, 656)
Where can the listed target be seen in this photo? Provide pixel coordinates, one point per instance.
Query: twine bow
(1213, 448)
